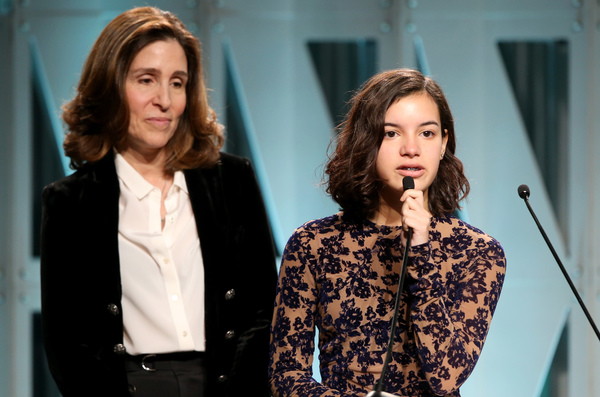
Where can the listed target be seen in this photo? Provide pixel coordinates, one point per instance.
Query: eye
(178, 84)
(389, 134)
(428, 133)
(145, 80)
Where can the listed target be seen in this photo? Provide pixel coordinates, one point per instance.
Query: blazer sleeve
(79, 332)
(53, 288)
(256, 275)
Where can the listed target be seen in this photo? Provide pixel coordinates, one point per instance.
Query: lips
(413, 170)
(410, 167)
(159, 121)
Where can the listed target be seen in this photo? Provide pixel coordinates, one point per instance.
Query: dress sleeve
(293, 326)
(455, 284)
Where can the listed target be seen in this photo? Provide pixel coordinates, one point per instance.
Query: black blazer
(81, 286)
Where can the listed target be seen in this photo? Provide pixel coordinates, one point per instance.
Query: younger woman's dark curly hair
(351, 172)
(98, 117)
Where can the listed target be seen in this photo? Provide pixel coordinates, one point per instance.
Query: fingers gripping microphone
(523, 191)
(407, 183)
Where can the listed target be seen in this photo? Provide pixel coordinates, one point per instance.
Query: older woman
(340, 273)
(158, 273)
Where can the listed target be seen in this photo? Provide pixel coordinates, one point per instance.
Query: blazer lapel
(205, 190)
(206, 196)
(99, 203)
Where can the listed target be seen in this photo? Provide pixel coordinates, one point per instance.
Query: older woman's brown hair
(351, 174)
(98, 117)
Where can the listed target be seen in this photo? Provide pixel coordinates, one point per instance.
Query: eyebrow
(423, 124)
(178, 73)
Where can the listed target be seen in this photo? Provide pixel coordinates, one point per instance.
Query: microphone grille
(408, 183)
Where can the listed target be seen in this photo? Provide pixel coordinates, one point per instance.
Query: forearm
(451, 317)
(301, 384)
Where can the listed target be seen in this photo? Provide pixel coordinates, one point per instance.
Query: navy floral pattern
(341, 277)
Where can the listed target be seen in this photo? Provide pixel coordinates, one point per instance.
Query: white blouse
(162, 273)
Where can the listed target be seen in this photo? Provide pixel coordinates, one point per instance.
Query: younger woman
(340, 273)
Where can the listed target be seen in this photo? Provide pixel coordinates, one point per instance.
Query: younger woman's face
(413, 144)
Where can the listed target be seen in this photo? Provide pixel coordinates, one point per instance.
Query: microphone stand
(378, 391)
(524, 194)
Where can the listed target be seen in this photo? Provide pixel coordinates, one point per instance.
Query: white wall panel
(6, 204)
(269, 42)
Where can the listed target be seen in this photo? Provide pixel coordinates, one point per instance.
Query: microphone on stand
(407, 183)
(524, 193)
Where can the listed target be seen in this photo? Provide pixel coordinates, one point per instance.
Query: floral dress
(341, 276)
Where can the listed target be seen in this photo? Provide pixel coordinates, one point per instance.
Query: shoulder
(230, 169)
(322, 232)
(226, 161)
(454, 233)
(450, 224)
(304, 243)
(101, 171)
(230, 161)
(91, 184)
(311, 230)
(321, 225)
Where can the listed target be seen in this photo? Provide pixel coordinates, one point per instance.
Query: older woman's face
(155, 91)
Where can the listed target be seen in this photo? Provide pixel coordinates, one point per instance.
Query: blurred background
(523, 81)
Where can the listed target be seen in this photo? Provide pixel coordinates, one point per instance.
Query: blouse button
(222, 379)
(230, 335)
(229, 295)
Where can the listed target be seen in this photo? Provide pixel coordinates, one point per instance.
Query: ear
(444, 142)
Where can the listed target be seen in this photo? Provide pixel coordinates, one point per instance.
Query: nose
(410, 146)
(162, 97)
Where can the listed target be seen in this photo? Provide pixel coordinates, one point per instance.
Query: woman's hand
(416, 216)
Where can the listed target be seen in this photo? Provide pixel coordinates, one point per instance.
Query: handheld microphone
(524, 193)
(407, 183)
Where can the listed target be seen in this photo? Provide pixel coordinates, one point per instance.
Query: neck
(151, 166)
(386, 215)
